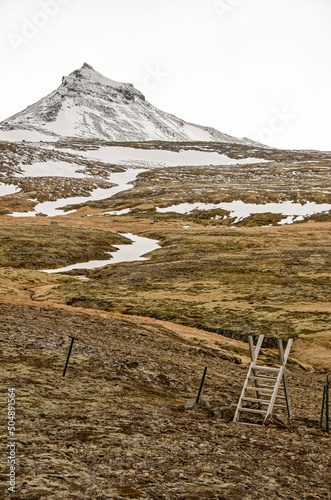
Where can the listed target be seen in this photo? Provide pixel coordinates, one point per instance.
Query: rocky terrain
(116, 426)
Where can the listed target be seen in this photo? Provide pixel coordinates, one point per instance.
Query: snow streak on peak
(88, 105)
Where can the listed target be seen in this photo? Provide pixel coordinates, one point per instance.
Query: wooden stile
(263, 383)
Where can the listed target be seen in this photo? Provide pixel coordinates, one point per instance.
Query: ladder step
(250, 410)
(261, 377)
(263, 394)
(262, 389)
(249, 423)
(262, 402)
(266, 386)
(266, 368)
(256, 400)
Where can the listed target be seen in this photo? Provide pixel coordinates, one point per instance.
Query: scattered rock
(191, 404)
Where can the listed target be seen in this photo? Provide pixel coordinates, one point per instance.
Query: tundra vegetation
(115, 426)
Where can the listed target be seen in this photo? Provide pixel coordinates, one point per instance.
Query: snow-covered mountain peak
(90, 76)
(89, 105)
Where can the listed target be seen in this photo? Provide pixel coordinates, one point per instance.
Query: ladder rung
(266, 368)
(266, 386)
(250, 410)
(257, 389)
(248, 423)
(261, 377)
(262, 402)
(268, 394)
(256, 400)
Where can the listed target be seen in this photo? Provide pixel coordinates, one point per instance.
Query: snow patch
(52, 169)
(240, 210)
(118, 212)
(126, 253)
(160, 157)
(8, 189)
(53, 208)
(20, 135)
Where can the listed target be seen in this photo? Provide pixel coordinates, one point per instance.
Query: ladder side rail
(236, 415)
(283, 361)
(279, 378)
(252, 353)
(251, 347)
(257, 348)
(287, 350)
(275, 391)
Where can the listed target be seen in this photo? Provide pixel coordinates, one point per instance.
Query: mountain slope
(89, 105)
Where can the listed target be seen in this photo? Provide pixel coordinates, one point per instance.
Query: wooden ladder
(263, 383)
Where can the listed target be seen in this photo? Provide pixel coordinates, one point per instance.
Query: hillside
(115, 426)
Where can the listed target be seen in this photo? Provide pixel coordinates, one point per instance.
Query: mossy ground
(48, 246)
(234, 282)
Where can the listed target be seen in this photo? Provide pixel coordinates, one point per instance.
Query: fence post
(65, 368)
(327, 403)
(202, 381)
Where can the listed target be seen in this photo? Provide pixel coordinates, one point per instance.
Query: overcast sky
(254, 68)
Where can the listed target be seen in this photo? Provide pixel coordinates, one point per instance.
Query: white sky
(254, 68)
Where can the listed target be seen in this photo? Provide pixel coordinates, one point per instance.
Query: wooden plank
(263, 389)
(263, 402)
(251, 410)
(251, 347)
(258, 347)
(252, 353)
(277, 397)
(236, 415)
(266, 386)
(263, 377)
(274, 395)
(267, 368)
(285, 380)
(257, 400)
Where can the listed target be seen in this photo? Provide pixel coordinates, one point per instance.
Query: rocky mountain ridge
(89, 105)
